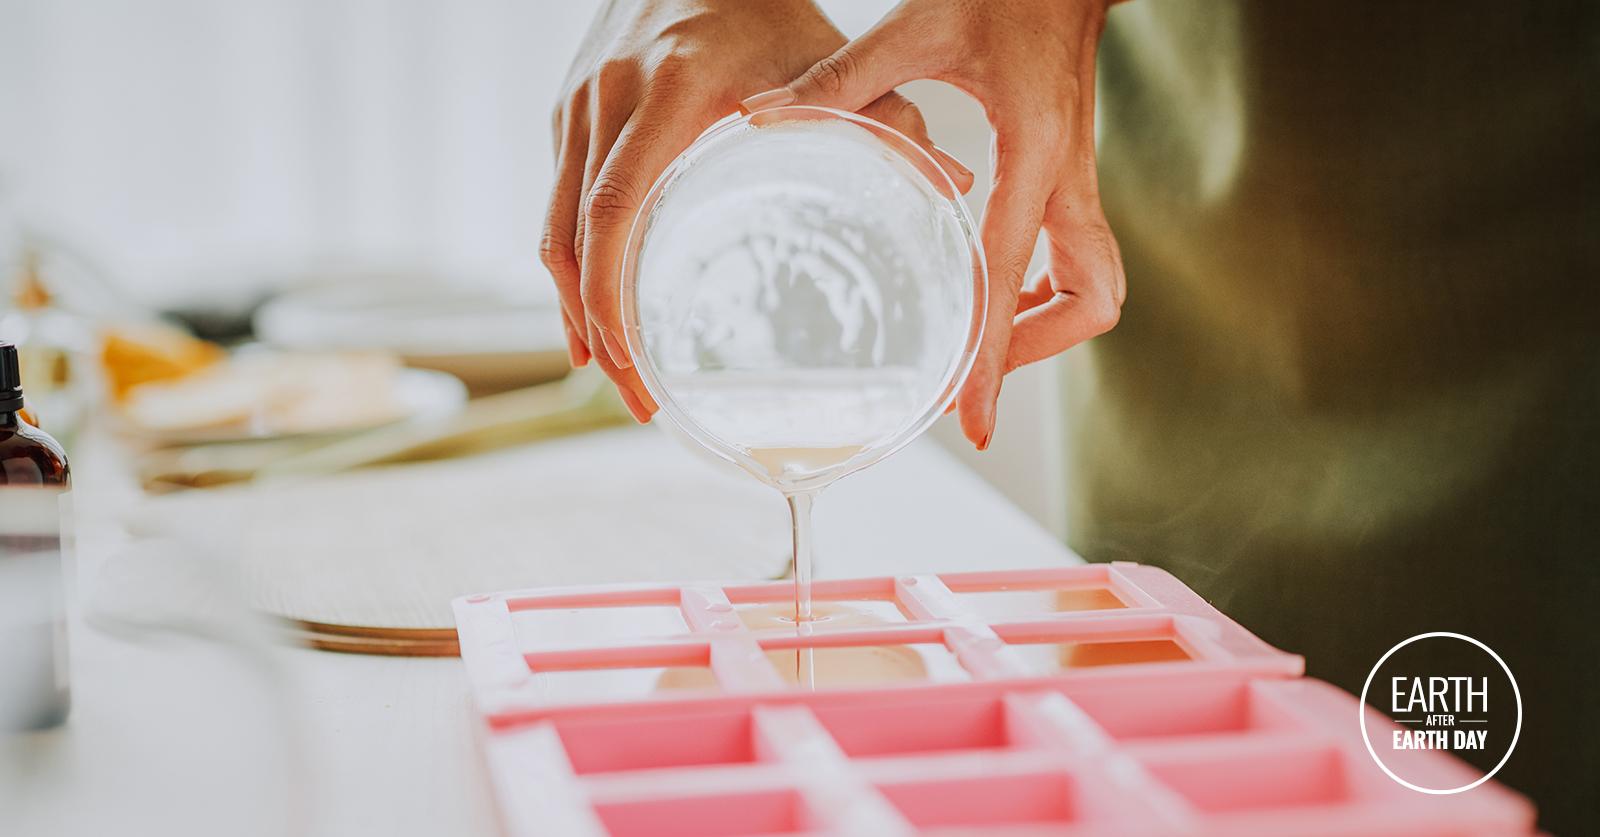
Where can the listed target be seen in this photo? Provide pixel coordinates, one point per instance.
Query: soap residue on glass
(801, 300)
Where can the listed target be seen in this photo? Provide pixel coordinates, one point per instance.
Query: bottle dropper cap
(10, 379)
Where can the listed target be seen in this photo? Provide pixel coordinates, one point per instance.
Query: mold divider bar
(590, 595)
(1164, 588)
(678, 782)
(535, 785)
(707, 610)
(1066, 576)
(957, 766)
(982, 652)
(1204, 640)
(835, 792)
(927, 598)
(1049, 720)
(489, 648)
(1245, 747)
(975, 644)
(1122, 574)
(737, 660)
(740, 665)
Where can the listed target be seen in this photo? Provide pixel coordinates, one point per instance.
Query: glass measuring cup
(803, 293)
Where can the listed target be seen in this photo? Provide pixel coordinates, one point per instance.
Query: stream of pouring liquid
(786, 465)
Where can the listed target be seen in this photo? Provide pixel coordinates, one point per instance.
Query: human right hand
(649, 77)
(1031, 64)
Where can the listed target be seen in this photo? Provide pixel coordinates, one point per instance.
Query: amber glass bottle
(34, 479)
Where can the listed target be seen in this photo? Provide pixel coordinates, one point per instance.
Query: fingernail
(615, 348)
(640, 414)
(776, 98)
(577, 353)
(577, 350)
(994, 410)
(950, 163)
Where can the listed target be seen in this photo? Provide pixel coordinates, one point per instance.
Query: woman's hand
(1031, 64)
(649, 77)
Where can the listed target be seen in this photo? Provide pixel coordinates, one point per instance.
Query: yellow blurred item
(30, 293)
(145, 354)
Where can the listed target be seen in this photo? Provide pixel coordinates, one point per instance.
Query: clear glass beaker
(803, 294)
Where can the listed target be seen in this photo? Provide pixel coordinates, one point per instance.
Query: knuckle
(597, 298)
(1103, 244)
(610, 203)
(831, 74)
(557, 253)
(1104, 313)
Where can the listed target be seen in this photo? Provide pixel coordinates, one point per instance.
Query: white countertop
(195, 722)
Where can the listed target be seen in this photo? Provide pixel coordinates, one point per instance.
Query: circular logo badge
(1448, 692)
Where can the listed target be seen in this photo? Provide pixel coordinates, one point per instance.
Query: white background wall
(207, 148)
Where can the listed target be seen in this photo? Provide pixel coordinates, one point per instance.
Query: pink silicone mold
(1103, 699)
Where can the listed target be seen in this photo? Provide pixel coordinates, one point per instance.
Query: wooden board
(357, 639)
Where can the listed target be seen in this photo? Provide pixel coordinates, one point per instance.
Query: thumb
(854, 76)
(860, 77)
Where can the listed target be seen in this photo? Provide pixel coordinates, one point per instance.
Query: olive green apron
(1355, 392)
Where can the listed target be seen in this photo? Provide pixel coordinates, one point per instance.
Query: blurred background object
(493, 337)
(210, 152)
(330, 175)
